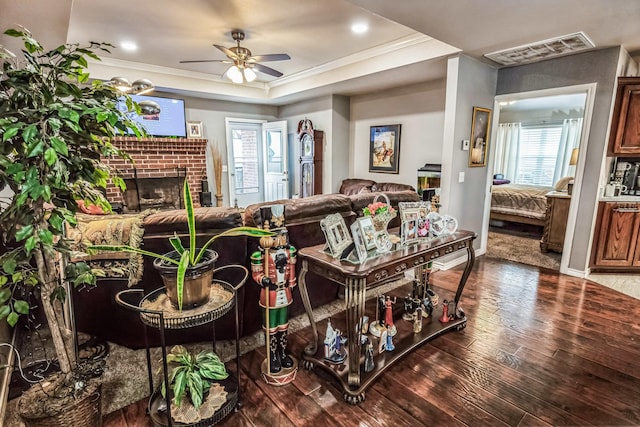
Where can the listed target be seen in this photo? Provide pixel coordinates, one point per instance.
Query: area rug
(520, 247)
(125, 379)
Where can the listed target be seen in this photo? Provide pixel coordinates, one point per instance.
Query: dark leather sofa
(98, 313)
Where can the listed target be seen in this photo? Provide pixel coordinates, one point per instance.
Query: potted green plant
(186, 272)
(191, 375)
(55, 126)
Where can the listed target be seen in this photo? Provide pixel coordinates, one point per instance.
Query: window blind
(538, 153)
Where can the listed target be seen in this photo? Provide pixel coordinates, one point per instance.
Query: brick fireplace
(158, 171)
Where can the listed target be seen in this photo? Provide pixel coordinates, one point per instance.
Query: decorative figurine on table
(417, 320)
(445, 312)
(334, 350)
(369, 365)
(389, 345)
(273, 268)
(382, 343)
(362, 328)
(385, 317)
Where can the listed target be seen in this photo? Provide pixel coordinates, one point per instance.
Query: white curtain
(507, 150)
(569, 139)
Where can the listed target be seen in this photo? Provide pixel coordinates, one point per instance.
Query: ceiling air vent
(545, 49)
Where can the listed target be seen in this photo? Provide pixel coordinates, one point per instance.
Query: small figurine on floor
(368, 357)
(389, 345)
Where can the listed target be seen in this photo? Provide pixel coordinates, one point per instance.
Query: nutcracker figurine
(273, 268)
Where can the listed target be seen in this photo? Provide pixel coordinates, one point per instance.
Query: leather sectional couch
(97, 312)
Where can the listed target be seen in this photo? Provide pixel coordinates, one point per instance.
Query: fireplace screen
(155, 192)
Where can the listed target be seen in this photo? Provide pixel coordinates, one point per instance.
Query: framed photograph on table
(479, 137)
(194, 130)
(367, 230)
(358, 239)
(336, 234)
(384, 149)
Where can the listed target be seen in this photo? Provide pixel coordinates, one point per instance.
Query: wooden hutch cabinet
(625, 125)
(617, 246)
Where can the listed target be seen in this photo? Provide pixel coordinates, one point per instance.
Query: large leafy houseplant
(183, 258)
(55, 126)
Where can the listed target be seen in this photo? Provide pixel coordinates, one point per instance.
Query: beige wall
(419, 109)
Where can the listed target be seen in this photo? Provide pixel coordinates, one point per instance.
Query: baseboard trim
(578, 273)
(449, 264)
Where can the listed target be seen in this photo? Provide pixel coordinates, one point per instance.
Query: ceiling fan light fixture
(249, 75)
(121, 84)
(235, 74)
(142, 86)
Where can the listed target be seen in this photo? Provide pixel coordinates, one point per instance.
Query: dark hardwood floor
(539, 349)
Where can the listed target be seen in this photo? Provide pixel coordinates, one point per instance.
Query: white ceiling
(408, 40)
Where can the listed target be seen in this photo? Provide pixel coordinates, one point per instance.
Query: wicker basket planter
(83, 412)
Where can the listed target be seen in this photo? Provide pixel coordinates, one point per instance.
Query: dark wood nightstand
(555, 221)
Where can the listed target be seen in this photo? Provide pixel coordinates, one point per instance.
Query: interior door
(244, 148)
(276, 176)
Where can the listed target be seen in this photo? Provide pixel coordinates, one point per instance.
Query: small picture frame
(358, 240)
(336, 234)
(479, 137)
(194, 130)
(368, 231)
(415, 221)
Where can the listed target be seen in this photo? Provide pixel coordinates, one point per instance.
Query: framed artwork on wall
(479, 137)
(194, 129)
(384, 149)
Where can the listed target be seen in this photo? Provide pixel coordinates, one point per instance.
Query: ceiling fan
(243, 61)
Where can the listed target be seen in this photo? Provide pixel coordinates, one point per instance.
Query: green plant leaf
(50, 156)
(5, 294)
(12, 318)
(194, 384)
(236, 231)
(182, 269)
(29, 132)
(9, 265)
(191, 222)
(179, 386)
(3, 280)
(4, 311)
(176, 243)
(9, 133)
(21, 306)
(60, 146)
(24, 232)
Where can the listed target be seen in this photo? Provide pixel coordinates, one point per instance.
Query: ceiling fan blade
(231, 54)
(204, 60)
(267, 70)
(271, 57)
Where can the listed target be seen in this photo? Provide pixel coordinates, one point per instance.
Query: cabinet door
(618, 235)
(625, 125)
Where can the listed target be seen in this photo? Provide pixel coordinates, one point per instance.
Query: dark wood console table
(357, 279)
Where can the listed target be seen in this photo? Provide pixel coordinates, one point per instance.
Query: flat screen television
(169, 122)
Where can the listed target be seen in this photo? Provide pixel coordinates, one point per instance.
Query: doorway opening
(535, 171)
(257, 158)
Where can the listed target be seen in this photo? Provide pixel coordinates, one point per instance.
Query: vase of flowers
(380, 212)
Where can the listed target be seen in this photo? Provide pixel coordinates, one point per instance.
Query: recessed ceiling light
(129, 46)
(360, 28)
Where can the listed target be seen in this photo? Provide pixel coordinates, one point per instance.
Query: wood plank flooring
(539, 349)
